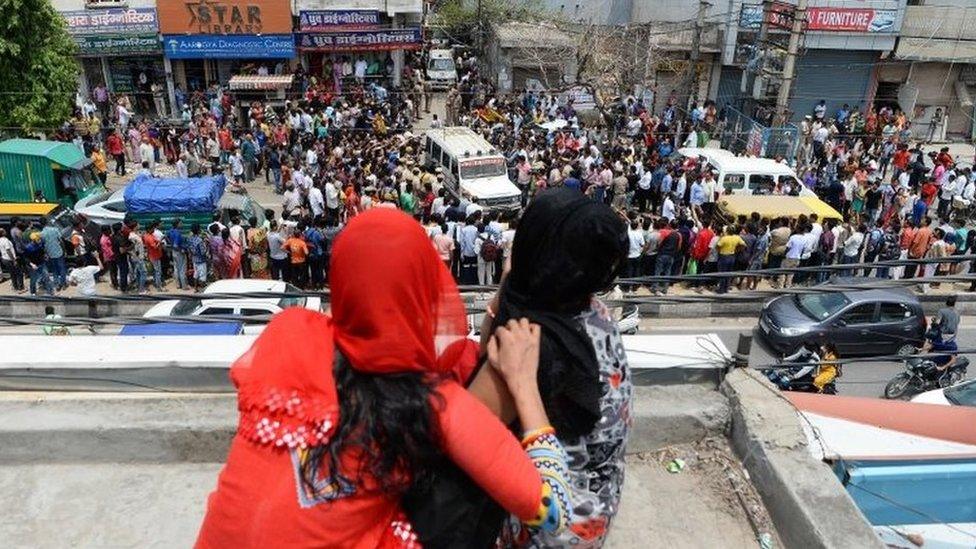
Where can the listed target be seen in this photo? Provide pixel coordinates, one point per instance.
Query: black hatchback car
(859, 322)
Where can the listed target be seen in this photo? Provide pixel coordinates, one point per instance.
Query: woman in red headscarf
(341, 414)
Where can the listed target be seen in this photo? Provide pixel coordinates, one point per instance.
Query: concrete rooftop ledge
(72, 464)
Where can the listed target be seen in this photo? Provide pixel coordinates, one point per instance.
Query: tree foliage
(38, 70)
(460, 17)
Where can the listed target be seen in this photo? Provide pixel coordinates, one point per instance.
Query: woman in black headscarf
(567, 248)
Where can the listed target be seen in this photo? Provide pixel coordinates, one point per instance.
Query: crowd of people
(344, 147)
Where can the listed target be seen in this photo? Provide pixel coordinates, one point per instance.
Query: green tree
(38, 70)
(460, 17)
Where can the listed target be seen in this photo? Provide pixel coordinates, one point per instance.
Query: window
(963, 394)
(435, 152)
(217, 311)
(823, 305)
(485, 167)
(115, 206)
(185, 307)
(859, 314)
(291, 301)
(734, 181)
(441, 64)
(762, 184)
(246, 311)
(894, 312)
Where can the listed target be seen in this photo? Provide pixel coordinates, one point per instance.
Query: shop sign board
(111, 21)
(225, 17)
(825, 19)
(337, 20)
(267, 46)
(117, 44)
(373, 40)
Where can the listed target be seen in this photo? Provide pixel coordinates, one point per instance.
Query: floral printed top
(596, 461)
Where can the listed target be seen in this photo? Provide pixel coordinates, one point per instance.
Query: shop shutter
(838, 76)
(729, 84)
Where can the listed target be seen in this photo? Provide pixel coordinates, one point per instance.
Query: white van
(473, 169)
(441, 72)
(746, 175)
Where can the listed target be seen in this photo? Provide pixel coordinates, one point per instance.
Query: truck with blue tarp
(192, 199)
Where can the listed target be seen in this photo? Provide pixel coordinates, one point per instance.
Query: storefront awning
(256, 82)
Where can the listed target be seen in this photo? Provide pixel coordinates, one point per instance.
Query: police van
(473, 169)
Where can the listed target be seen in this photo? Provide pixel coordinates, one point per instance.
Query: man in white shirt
(667, 209)
(331, 197)
(181, 170)
(312, 160)
(316, 202)
(147, 153)
(299, 179)
(852, 247)
(795, 247)
(359, 71)
(637, 240)
(84, 278)
(237, 167)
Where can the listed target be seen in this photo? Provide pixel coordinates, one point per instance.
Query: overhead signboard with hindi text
(367, 40)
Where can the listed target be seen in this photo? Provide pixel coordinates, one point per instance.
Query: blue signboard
(244, 46)
(374, 40)
(331, 20)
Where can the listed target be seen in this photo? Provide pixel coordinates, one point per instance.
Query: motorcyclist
(820, 363)
(936, 343)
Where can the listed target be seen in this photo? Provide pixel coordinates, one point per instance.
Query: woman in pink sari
(135, 139)
(232, 255)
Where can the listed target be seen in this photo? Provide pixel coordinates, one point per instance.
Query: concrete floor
(688, 510)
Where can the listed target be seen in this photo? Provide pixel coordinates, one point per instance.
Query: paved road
(865, 379)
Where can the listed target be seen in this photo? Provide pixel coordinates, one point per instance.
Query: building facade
(843, 44)
(160, 52)
(932, 73)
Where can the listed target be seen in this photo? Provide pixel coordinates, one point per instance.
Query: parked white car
(960, 394)
(199, 305)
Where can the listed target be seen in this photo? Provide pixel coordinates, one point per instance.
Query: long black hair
(384, 419)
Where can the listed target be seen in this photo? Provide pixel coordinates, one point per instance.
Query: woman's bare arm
(489, 387)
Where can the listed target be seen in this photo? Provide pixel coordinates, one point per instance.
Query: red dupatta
(395, 309)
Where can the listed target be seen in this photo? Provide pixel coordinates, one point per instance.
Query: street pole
(759, 68)
(691, 79)
(789, 66)
(481, 30)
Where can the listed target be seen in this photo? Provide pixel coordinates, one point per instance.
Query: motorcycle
(921, 375)
(783, 378)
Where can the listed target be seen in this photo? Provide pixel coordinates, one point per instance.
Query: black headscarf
(567, 247)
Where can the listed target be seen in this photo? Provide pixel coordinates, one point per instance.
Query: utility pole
(481, 31)
(789, 65)
(755, 81)
(695, 56)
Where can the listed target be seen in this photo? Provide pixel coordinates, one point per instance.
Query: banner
(854, 20)
(851, 20)
(337, 20)
(112, 21)
(107, 44)
(378, 40)
(269, 46)
(224, 16)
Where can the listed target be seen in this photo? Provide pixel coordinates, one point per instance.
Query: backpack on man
(490, 250)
